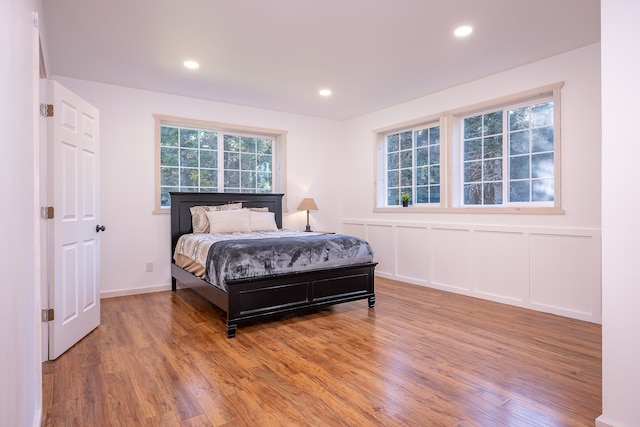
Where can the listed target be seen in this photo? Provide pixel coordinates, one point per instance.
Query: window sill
(474, 210)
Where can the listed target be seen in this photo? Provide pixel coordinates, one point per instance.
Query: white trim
(602, 423)
(126, 292)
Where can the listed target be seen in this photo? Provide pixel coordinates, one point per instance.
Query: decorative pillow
(259, 209)
(229, 221)
(199, 220)
(263, 221)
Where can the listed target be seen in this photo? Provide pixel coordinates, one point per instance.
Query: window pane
(492, 193)
(492, 170)
(208, 178)
(405, 159)
(393, 178)
(406, 178)
(542, 139)
(472, 171)
(231, 143)
(168, 136)
(422, 156)
(519, 142)
(393, 197)
(248, 144)
(189, 158)
(169, 176)
(519, 119)
(422, 176)
(473, 194)
(519, 167)
(393, 161)
(473, 127)
(519, 191)
(393, 143)
(169, 156)
(434, 194)
(165, 197)
(188, 177)
(208, 140)
(265, 146)
(406, 143)
(473, 149)
(248, 162)
(542, 115)
(542, 190)
(493, 147)
(231, 161)
(493, 123)
(208, 159)
(231, 179)
(542, 165)
(189, 138)
(248, 180)
(434, 175)
(434, 154)
(422, 195)
(422, 137)
(434, 135)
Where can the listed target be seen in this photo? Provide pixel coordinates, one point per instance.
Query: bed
(252, 299)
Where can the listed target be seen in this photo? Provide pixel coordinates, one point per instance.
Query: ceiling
(277, 54)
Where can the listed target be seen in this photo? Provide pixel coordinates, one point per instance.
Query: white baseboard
(125, 292)
(37, 418)
(601, 423)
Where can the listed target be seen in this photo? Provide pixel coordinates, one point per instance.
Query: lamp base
(308, 228)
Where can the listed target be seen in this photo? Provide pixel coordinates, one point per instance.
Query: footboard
(251, 299)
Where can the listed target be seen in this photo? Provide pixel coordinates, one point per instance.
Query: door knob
(100, 228)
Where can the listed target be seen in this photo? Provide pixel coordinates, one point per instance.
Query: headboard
(181, 203)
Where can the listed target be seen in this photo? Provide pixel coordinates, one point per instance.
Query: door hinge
(46, 110)
(46, 212)
(47, 314)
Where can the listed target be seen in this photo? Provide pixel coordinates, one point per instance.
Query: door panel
(74, 186)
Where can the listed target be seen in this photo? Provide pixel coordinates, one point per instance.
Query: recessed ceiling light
(191, 65)
(463, 31)
(325, 92)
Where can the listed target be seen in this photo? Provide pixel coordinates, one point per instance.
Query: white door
(75, 243)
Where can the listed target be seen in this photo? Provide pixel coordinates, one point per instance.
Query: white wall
(547, 262)
(20, 368)
(620, 207)
(134, 234)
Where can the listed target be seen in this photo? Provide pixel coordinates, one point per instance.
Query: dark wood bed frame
(260, 298)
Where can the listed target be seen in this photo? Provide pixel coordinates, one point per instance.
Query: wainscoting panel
(382, 239)
(451, 254)
(565, 273)
(412, 245)
(554, 270)
(501, 264)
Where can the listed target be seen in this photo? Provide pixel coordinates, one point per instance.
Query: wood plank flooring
(421, 357)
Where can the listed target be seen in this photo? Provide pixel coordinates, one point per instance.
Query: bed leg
(231, 330)
(372, 301)
(173, 284)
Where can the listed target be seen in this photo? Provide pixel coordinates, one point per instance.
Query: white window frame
(451, 164)
(279, 149)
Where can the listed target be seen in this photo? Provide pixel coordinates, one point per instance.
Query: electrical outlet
(148, 266)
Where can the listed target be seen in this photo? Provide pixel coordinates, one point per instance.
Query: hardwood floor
(421, 357)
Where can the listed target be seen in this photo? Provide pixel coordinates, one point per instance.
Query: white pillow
(199, 221)
(263, 221)
(231, 221)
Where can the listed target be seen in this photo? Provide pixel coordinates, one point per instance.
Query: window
(500, 154)
(508, 156)
(413, 165)
(210, 157)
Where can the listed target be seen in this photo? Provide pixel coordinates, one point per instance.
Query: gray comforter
(241, 259)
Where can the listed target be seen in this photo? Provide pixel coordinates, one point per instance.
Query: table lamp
(308, 204)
